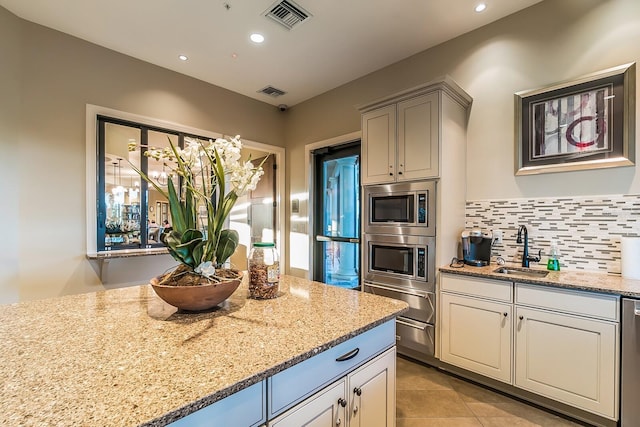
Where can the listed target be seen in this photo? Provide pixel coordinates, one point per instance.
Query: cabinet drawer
(244, 408)
(493, 289)
(583, 303)
(289, 387)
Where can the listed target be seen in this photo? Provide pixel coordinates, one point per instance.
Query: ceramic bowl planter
(195, 298)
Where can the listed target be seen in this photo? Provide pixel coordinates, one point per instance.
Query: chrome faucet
(523, 233)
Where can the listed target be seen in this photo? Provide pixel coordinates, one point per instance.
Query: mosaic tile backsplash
(586, 229)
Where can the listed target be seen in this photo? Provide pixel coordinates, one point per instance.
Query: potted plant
(210, 175)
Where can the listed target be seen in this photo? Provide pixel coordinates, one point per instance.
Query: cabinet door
(379, 145)
(418, 138)
(476, 335)
(373, 388)
(568, 358)
(323, 409)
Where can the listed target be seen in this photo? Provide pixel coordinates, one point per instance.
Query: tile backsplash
(587, 229)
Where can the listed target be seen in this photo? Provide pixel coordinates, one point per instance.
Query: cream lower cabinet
(476, 335)
(364, 398)
(326, 408)
(372, 389)
(564, 343)
(570, 358)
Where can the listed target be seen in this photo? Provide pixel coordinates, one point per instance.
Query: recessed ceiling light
(256, 38)
(480, 7)
(183, 57)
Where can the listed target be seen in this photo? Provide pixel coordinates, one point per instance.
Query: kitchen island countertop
(571, 279)
(124, 357)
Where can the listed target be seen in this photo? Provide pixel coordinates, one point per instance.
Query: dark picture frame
(584, 123)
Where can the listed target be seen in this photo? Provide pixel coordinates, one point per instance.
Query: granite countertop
(583, 280)
(124, 357)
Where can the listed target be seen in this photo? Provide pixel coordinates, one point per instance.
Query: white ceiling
(343, 40)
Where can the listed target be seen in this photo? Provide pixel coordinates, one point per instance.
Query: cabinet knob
(338, 421)
(505, 314)
(357, 391)
(390, 174)
(342, 402)
(521, 317)
(400, 173)
(355, 410)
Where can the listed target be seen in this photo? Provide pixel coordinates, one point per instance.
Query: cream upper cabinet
(379, 145)
(418, 144)
(400, 141)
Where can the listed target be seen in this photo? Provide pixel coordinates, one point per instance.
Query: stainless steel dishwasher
(630, 369)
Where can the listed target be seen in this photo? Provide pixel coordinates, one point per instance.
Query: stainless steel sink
(523, 272)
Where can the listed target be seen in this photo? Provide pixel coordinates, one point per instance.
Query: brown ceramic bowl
(195, 298)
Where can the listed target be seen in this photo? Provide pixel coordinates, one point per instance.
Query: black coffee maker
(476, 247)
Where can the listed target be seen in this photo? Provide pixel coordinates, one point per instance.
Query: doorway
(336, 259)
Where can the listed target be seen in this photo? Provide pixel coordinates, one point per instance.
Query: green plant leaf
(186, 247)
(226, 245)
(177, 215)
(173, 240)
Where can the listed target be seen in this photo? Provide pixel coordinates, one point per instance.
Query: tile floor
(427, 397)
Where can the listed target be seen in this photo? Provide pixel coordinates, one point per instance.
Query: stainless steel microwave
(401, 261)
(400, 208)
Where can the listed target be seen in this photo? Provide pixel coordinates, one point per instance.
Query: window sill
(103, 258)
(126, 253)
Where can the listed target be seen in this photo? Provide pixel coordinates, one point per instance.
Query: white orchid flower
(206, 269)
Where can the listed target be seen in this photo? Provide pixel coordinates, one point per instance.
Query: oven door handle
(321, 238)
(400, 291)
(411, 325)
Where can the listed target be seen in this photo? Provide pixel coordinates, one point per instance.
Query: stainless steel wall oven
(402, 208)
(400, 261)
(399, 258)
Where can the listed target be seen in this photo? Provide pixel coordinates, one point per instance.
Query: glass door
(337, 213)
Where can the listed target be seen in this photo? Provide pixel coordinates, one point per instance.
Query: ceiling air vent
(287, 13)
(272, 91)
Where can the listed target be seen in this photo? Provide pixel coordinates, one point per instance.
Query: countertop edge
(563, 279)
(242, 384)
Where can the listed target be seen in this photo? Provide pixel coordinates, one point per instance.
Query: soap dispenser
(553, 264)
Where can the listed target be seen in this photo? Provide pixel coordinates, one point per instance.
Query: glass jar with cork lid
(264, 271)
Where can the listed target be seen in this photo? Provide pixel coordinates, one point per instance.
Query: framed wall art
(585, 123)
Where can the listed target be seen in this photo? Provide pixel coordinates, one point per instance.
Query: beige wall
(43, 160)
(552, 41)
(10, 71)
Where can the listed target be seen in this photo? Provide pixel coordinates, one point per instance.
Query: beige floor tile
(428, 397)
(522, 422)
(506, 422)
(413, 376)
(430, 404)
(480, 409)
(438, 422)
(470, 392)
(518, 411)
